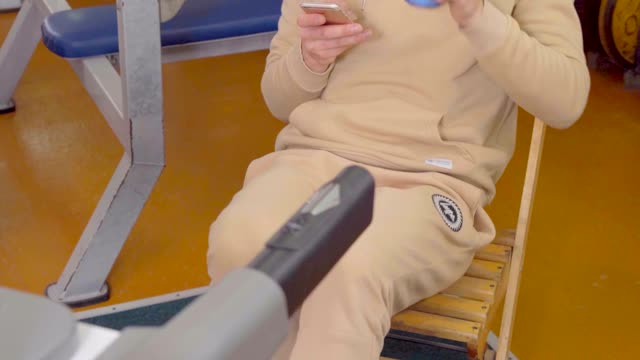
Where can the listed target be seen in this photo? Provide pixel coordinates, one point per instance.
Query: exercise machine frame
(130, 99)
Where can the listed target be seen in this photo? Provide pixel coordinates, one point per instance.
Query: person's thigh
(275, 187)
(420, 241)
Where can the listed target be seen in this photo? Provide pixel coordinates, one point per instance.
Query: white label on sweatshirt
(443, 163)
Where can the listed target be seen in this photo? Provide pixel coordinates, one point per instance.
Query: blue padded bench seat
(93, 31)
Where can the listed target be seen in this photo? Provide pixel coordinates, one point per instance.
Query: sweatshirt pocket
(445, 147)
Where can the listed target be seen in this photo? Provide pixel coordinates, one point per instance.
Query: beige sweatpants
(411, 249)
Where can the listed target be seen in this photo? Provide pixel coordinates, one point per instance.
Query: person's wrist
(313, 65)
(302, 75)
(488, 31)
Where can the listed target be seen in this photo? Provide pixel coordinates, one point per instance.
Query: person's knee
(242, 222)
(236, 237)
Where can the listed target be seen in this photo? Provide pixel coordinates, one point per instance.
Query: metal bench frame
(132, 104)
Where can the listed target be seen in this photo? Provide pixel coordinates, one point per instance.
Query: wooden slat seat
(454, 306)
(483, 269)
(473, 288)
(437, 326)
(463, 311)
(494, 252)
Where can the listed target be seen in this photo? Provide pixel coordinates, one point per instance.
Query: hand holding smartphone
(324, 38)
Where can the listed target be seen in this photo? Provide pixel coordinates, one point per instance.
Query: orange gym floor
(580, 293)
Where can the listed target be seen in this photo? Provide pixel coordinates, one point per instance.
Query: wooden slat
(505, 237)
(494, 252)
(483, 269)
(438, 326)
(493, 310)
(524, 220)
(473, 288)
(454, 307)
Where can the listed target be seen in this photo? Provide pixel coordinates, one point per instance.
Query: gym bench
(9, 5)
(117, 51)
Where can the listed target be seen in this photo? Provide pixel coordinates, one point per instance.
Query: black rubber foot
(104, 295)
(632, 79)
(600, 62)
(12, 10)
(7, 108)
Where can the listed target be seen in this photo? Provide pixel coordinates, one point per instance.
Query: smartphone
(331, 11)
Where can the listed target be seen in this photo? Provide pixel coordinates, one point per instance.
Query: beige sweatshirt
(424, 95)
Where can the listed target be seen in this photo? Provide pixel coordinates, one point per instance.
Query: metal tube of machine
(245, 316)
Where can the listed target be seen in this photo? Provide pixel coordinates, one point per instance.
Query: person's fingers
(329, 31)
(322, 43)
(311, 20)
(339, 43)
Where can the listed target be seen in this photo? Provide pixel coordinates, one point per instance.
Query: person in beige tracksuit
(427, 101)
